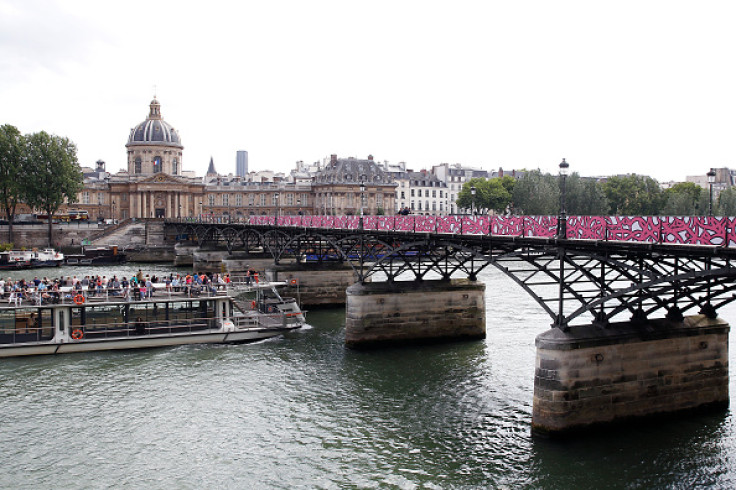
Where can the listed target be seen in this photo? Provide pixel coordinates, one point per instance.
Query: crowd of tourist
(136, 287)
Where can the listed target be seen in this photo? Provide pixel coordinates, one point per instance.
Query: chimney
(370, 158)
(333, 160)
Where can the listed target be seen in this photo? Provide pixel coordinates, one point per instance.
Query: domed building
(154, 146)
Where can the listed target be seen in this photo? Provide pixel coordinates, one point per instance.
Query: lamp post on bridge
(562, 218)
(711, 180)
(276, 198)
(472, 202)
(362, 243)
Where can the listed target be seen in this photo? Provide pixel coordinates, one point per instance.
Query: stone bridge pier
(592, 376)
(403, 312)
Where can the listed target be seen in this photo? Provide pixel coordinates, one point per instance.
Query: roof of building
(353, 171)
(154, 130)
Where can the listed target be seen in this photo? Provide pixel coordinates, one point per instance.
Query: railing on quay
(717, 231)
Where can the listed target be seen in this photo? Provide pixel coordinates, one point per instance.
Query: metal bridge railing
(717, 231)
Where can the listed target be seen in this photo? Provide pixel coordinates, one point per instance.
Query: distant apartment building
(421, 192)
(241, 163)
(454, 176)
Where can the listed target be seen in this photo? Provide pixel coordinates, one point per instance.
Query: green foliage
(490, 194)
(6, 247)
(584, 197)
(726, 204)
(634, 195)
(11, 164)
(685, 199)
(52, 173)
(537, 193)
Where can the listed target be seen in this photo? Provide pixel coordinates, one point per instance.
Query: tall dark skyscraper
(241, 163)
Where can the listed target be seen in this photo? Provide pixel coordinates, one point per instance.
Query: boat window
(102, 317)
(26, 325)
(192, 312)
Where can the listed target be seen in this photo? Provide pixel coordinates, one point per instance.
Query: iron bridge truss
(574, 281)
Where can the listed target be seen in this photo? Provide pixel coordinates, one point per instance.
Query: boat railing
(70, 295)
(137, 329)
(18, 335)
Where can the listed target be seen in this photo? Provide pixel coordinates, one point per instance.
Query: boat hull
(142, 342)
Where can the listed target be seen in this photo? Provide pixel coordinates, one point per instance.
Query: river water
(302, 411)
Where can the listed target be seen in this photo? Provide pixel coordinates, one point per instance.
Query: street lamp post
(201, 211)
(362, 244)
(112, 213)
(276, 198)
(179, 213)
(472, 202)
(711, 180)
(562, 219)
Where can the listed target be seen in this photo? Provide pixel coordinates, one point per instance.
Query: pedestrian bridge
(591, 269)
(616, 288)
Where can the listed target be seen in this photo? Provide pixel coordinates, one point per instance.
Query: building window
(402, 195)
(211, 199)
(238, 199)
(434, 193)
(138, 165)
(412, 193)
(100, 198)
(263, 199)
(440, 193)
(85, 197)
(175, 166)
(226, 199)
(156, 164)
(251, 199)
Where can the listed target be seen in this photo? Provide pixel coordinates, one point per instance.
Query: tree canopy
(11, 164)
(52, 173)
(490, 194)
(633, 195)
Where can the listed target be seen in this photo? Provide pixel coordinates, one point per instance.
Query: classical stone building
(337, 188)
(155, 184)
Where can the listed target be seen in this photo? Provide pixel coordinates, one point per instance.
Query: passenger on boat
(140, 327)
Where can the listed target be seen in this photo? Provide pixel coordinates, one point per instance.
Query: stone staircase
(125, 235)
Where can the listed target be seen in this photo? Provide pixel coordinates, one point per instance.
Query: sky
(613, 87)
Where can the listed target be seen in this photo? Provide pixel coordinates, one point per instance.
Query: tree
(11, 163)
(490, 194)
(537, 193)
(584, 197)
(52, 173)
(726, 204)
(685, 199)
(634, 195)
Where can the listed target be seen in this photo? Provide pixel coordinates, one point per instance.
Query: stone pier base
(592, 377)
(315, 285)
(385, 313)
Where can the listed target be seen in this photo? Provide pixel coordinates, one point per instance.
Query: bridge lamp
(562, 219)
(362, 193)
(113, 211)
(711, 180)
(179, 215)
(472, 202)
(276, 197)
(201, 210)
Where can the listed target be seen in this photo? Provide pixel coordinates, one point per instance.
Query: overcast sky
(613, 87)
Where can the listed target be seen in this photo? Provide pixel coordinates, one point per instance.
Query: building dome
(154, 130)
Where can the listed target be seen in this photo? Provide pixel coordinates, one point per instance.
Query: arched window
(175, 166)
(137, 165)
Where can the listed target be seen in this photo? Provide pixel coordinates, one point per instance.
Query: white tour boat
(69, 320)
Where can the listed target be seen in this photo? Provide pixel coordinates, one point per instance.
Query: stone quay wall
(385, 313)
(593, 376)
